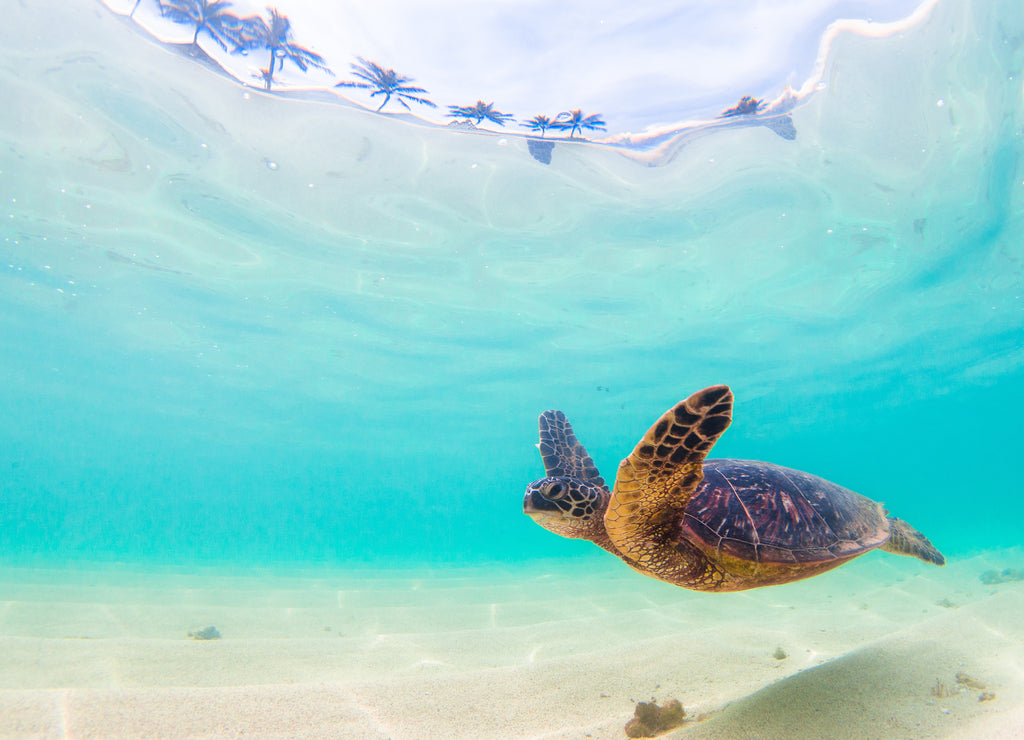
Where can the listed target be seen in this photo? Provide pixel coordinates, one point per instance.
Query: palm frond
(275, 36)
(480, 110)
(252, 34)
(211, 16)
(573, 121)
(385, 82)
(537, 123)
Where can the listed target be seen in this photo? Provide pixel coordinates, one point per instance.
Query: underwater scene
(311, 314)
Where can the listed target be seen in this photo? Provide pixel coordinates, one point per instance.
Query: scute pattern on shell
(767, 513)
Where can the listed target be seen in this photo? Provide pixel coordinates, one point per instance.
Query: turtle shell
(766, 513)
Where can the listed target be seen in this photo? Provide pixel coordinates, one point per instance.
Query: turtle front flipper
(657, 480)
(563, 455)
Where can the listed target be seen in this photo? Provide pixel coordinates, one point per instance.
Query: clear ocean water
(250, 329)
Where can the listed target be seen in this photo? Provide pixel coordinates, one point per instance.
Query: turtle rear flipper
(657, 480)
(905, 540)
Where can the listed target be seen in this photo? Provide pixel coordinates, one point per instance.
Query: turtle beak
(537, 507)
(528, 507)
(533, 512)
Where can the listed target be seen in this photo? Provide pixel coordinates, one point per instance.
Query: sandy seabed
(547, 650)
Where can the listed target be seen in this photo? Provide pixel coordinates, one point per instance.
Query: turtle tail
(905, 540)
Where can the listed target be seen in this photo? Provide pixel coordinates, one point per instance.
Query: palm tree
(211, 16)
(575, 121)
(480, 110)
(747, 106)
(538, 123)
(385, 82)
(275, 36)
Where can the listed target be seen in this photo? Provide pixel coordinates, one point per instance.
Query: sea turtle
(708, 525)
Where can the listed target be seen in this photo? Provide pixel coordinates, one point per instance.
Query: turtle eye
(555, 490)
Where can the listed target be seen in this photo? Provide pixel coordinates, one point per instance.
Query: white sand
(562, 651)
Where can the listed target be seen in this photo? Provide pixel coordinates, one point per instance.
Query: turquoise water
(239, 328)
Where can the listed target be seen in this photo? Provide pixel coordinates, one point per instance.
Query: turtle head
(568, 507)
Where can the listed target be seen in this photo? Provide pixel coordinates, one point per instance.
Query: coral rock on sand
(207, 633)
(650, 720)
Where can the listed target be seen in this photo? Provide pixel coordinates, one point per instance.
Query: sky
(640, 65)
